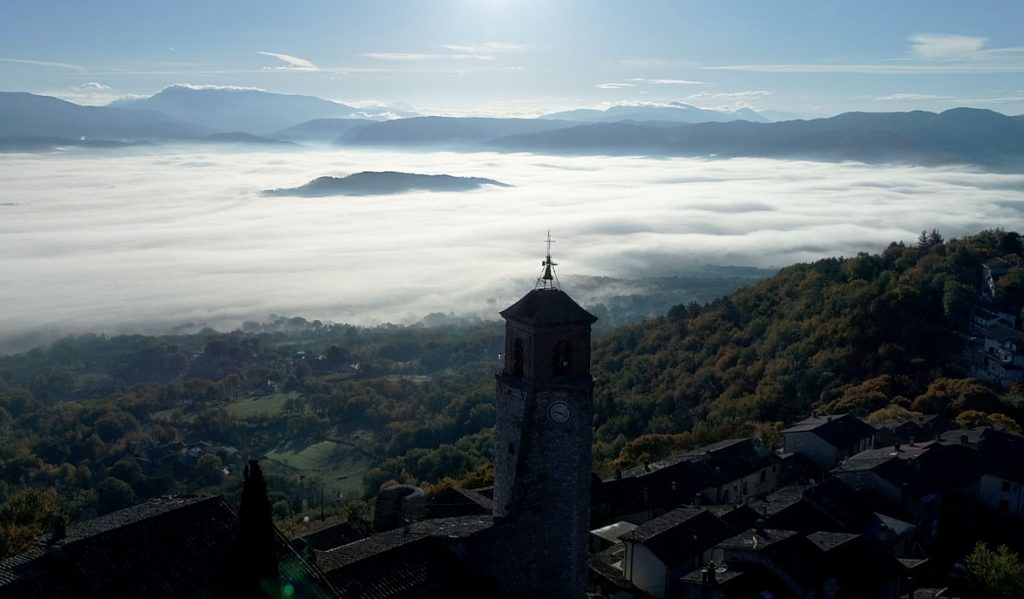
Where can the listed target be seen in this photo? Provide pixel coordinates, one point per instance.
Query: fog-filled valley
(146, 240)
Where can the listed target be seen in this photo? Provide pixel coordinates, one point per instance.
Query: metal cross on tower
(548, 279)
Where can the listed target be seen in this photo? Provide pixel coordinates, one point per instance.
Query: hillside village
(842, 507)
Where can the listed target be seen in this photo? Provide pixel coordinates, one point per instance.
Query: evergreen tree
(922, 240)
(256, 558)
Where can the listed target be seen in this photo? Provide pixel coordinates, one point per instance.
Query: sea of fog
(145, 240)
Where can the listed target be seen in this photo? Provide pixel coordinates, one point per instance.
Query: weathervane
(548, 279)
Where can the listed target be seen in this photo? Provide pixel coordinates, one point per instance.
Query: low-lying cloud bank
(128, 241)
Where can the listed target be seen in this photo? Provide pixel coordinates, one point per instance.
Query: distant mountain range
(437, 130)
(29, 115)
(676, 112)
(963, 135)
(241, 109)
(319, 130)
(960, 135)
(238, 137)
(383, 183)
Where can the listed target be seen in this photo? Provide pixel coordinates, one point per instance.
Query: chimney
(963, 439)
(708, 575)
(58, 528)
(618, 474)
(897, 448)
(760, 526)
(697, 499)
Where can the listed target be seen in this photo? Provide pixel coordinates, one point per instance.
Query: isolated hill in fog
(960, 135)
(242, 109)
(320, 130)
(430, 130)
(28, 115)
(676, 112)
(383, 183)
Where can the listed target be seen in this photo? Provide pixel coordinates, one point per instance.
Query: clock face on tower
(559, 412)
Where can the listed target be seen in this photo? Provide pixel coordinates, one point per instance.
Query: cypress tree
(256, 557)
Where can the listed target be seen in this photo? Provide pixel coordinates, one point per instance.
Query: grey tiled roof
(403, 562)
(838, 430)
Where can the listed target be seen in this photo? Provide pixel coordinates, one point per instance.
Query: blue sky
(507, 57)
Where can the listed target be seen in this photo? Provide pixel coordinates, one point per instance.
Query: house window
(1006, 486)
(517, 358)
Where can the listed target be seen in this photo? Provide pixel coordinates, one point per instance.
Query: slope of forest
(864, 334)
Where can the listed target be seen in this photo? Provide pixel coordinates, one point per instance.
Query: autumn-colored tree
(998, 573)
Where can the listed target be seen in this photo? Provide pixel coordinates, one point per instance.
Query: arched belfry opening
(518, 354)
(560, 366)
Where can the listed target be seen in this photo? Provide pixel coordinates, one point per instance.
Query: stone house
(826, 440)
(662, 550)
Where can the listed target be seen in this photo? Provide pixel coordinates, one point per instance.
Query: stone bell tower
(542, 455)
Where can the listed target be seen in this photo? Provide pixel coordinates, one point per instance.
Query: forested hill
(860, 334)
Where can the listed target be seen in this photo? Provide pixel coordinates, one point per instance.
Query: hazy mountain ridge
(960, 135)
(676, 112)
(383, 183)
(320, 130)
(431, 130)
(30, 115)
(248, 110)
(240, 137)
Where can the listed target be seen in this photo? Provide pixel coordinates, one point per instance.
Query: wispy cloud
(44, 63)
(402, 56)
(873, 69)
(945, 46)
(488, 48)
(741, 95)
(92, 85)
(928, 54)
(614, 85)
(487, 51)
(903, 97)
(666, 81)
(293, 63)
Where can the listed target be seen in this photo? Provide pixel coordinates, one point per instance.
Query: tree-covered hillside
(93, 423)
(857, 334)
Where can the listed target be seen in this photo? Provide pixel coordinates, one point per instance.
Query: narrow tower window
(517, 358)
(561, 365)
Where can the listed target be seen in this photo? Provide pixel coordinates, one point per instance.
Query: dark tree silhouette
(256, 559)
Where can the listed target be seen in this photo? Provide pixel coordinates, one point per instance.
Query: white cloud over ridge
(147, 241)
(945, 46)
(293, 63)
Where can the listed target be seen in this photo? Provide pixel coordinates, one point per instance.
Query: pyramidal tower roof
(547, 306)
